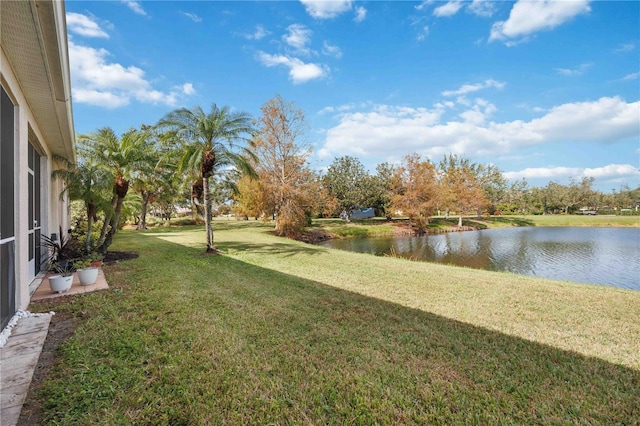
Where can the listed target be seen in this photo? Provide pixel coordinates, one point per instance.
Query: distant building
(360, 214)
(36, 124)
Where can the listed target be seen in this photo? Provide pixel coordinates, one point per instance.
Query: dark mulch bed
(313, 237)
(117, 256)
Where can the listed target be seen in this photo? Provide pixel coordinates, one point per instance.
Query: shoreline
(327, 229)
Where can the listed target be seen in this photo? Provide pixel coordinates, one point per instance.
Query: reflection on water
(608, 256)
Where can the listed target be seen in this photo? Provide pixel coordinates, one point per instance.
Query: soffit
(31, 41)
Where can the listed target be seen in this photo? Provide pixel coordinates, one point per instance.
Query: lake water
(607, 256)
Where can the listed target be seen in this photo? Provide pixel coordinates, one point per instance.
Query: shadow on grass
(268, 347)
(285, 249)
(219, 224)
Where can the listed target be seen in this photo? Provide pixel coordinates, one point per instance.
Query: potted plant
(87, 274)
(64, 277)
(61, 249)
(96, 258)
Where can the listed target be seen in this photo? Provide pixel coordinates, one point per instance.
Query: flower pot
(96, 263)
(87, 276)
(59, 283)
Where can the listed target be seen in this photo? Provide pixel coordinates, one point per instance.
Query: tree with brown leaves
(288, 186)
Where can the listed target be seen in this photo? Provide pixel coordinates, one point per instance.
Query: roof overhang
(33, 35)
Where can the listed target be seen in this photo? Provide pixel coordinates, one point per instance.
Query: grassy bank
(279, 332)
(379, 226)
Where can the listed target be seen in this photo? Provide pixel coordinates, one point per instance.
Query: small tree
(87, 182)
(383, 192)
(345, 180)
(286, 184)
(418, 192)
(461, 189)
(250, 198)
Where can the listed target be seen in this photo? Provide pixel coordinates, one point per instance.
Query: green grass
(278, 332)
(580, 220)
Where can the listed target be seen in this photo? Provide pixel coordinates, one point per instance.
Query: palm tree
(85, 181)
(206, 141)
(120, 156)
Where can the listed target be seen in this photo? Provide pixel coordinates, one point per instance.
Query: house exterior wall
(53, 209)
(49, 130)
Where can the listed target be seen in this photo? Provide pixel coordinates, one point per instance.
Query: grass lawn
(278, 332)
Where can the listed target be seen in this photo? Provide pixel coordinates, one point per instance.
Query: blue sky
(545, 90)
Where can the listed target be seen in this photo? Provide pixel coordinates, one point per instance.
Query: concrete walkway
(19, 357)
(18, 360)
(44, 290)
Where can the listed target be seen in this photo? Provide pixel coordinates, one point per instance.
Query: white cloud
(326, 9)
(423, 33)
(326, 110)
(259, 33)
(361, 14)
(604, 120)
(299, 71)
(385, 130)
(424, 4)
(135, 6)
(544, 172)
(192, 16)
(626, 47)
(344, 108)
(469, 88)
(98, 98)
(479, 113)
(482, 8)
(96, 81)
(298, 36)
(330, 50)
(188, 89)
(381, 130)
(528, 17)
(632, 76)
(84, 26)
(448, 9)
(608, 172)
(612, 170)
(574, 71)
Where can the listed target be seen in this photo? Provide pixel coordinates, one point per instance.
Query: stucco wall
(53, 210)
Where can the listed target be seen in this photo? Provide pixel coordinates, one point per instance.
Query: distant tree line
(222, 162)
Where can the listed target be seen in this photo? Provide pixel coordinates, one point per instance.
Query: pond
(607, 256)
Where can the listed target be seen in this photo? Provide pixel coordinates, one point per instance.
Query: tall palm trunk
(91, 216)
(146, 196)
(120, 190)
(113, 227)
(207, 215)
(196, 193)
(206, 169)
(107, 220)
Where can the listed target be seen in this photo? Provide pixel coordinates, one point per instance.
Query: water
(607, 256)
